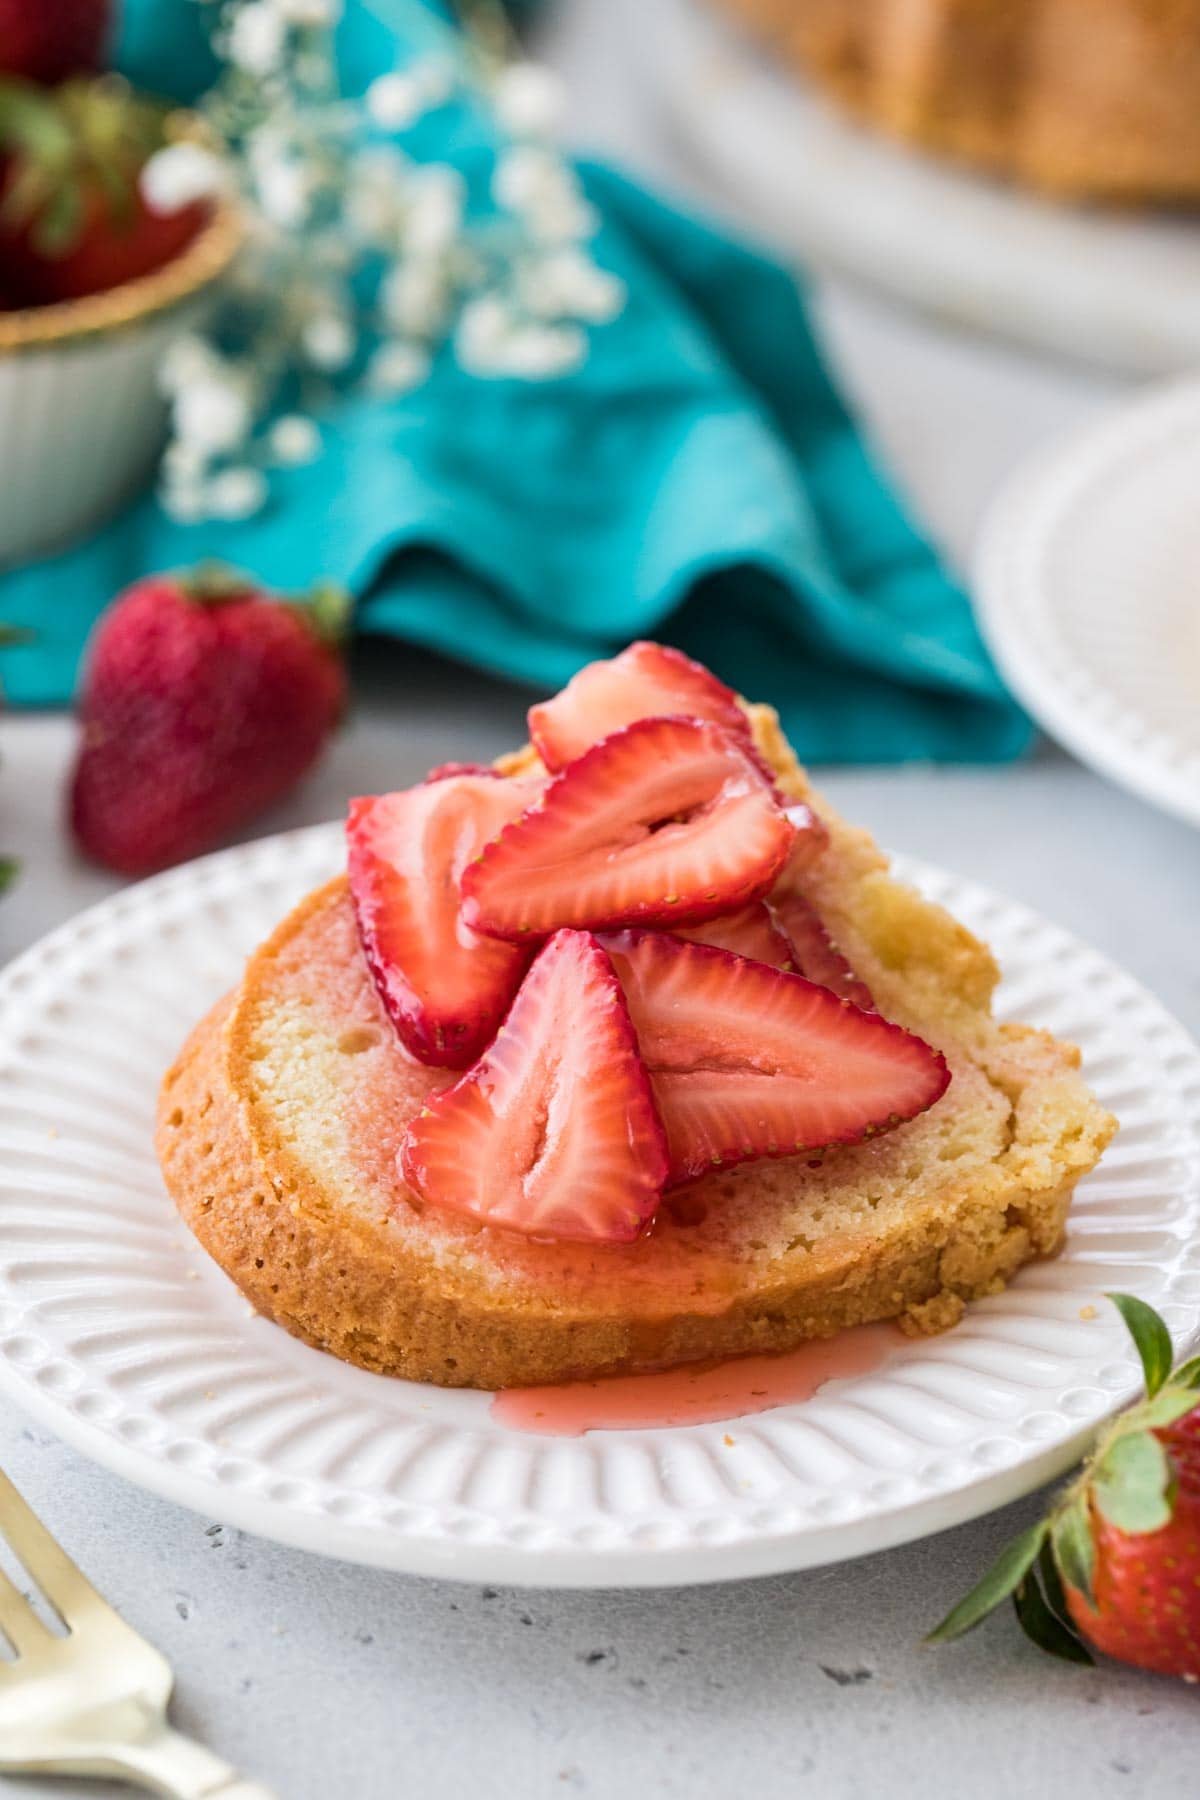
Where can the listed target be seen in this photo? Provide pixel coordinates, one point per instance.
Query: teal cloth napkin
(699, 480)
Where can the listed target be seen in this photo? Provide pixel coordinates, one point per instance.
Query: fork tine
(18, 1621)
(65, 1586)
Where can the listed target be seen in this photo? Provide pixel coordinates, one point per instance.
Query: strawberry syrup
(698, 1393)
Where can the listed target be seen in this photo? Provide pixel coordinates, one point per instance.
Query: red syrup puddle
(698, 1393)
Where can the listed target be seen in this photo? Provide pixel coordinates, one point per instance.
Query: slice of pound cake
(625, 1054)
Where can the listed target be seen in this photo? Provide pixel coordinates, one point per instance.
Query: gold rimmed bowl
(82, 416)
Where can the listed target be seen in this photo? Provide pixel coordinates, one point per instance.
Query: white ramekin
(81, 415)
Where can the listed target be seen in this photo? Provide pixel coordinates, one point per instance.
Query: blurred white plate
(1087, 579)
(121, 1335)
(1120, 289)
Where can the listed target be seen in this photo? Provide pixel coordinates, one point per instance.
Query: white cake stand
(1117, 289)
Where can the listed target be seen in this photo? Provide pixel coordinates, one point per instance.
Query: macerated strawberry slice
(668, 822)
(554, 1132)
(812, 837)
(748, 1061)
(445, 987)
(448, 770)
(646, 681)
(751, 932)
(814, 953)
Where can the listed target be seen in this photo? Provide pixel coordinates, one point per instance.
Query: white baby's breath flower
(485, 325)
(414, 297)
(538, 185)
(492, 340)
(566, 283)
(526, 176)
(396, 368)
(309, 14)
(434, 205)
(185, 464)
(540, 352)
(563, 219)
(211, 414)
(294, 439)
(284, 189)
(328, 342)
(529, 100)
(179, 174)
(257, 36)
(395, 101)
(437, 78)
(186, 360)
(184, 501)
(236, 493)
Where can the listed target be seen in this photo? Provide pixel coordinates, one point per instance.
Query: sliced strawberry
(812, 837)
(446, 988)
(747, 1061)
(646, 681)
(554, 1131)
(815, 955)
(448, 770)
(669, 822)
(751, 932)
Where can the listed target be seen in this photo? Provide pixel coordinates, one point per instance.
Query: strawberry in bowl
(96, 280)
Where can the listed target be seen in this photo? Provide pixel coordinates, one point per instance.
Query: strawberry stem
(328, 610)
(214, 583)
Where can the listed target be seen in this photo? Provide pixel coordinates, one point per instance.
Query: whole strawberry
(1118, 1560)
(47, 40)
(203, 701)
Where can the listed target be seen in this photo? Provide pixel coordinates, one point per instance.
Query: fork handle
(175, 1766)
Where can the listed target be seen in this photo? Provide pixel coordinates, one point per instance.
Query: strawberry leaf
(1132, 1483)
(1074, 1552)
(1052, 1585)
(1002, 1579)
(58, 224)
(1041, 1625)
(1151, 1337)
(1188, 1373)
(1169, 1404)
(8, 871)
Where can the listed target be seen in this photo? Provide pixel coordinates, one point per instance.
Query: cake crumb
(730, 1441)
(1087, 1312)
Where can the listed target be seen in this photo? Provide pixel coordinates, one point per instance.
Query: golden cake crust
(279, 1121)
(1077, 98)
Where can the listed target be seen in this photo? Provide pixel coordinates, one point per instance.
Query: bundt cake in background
(1082, 98)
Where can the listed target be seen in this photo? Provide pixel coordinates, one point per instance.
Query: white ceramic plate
(1121, 289)
(121, 1335)
(1088, 588)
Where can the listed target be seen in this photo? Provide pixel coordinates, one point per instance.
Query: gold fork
(93, 1702)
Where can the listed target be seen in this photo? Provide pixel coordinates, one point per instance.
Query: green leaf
(1151, 1337)
(1046, 1631)
(8, 871)
(1188, 1373)
(1005, 1575)
(1132, 1482)
(1052, 1585)
(1074, 1551)
(1169, 1404)
(31, 123)
(59, 222)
